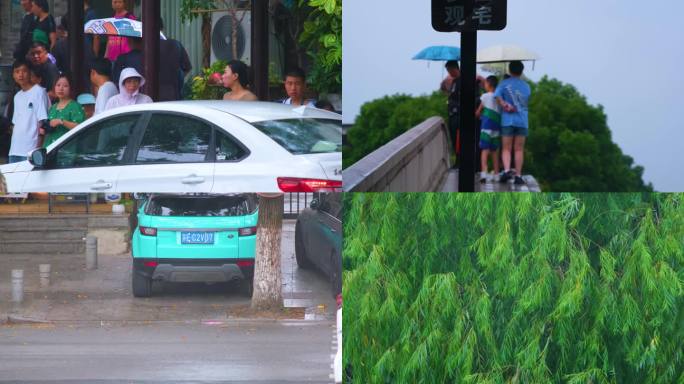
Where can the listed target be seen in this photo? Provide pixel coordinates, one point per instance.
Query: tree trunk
(267, 275)
(3, 186)
(234, 35)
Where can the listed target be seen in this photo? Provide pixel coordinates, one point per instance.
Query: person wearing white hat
(130, 83)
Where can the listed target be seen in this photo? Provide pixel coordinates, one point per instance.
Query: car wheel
(300, 252)
(142, 286)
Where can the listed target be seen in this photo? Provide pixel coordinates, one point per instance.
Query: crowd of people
(503, 114)
(44, 106)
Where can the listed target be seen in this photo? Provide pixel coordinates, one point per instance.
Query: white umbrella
(505, 53)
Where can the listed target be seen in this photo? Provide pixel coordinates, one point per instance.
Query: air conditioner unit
(221, 36)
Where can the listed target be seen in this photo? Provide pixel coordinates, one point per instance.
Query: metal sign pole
(467, 129)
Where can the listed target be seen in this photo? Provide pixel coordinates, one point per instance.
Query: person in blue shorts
(513, 95)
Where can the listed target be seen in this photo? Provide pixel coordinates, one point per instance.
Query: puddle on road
(313, 310)
(318, 312)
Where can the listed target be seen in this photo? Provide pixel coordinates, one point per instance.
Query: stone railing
(416, 161)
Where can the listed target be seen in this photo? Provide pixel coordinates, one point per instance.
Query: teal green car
(194, 238)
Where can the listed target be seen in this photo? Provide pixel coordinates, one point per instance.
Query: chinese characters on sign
(453, 15)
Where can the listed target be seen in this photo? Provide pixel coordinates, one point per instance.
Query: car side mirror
(315, 204)
(38, 157)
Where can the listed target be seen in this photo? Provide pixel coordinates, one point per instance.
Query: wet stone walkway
(531, 185)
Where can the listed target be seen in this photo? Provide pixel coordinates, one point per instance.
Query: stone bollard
(91, 252)
(17, 285)
(44, 270)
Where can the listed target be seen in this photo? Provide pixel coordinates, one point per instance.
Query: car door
(233, 173)
(172, 156)
(332, 222)
(89, 161)
(328, 232)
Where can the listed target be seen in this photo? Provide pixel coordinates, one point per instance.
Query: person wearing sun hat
(87, 101)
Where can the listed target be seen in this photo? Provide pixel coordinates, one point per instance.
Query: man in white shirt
(295, 86)
(30, 107)
(100, 76)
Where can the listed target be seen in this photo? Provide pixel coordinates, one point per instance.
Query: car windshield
(234, 205)
(304, 136)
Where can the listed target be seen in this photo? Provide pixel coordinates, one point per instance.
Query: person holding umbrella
(116, 45)
(454, 101)
(451, 85)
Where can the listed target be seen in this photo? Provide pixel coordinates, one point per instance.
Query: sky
(626, 55)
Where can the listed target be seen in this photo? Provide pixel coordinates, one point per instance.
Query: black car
(318, 238)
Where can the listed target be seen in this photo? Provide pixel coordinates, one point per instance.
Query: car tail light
(151, 263)
(293, 184)
(245, 263)
(339, 300)
(248, 231)
(148, 231)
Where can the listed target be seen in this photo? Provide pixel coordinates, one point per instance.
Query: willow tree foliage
(514, 288)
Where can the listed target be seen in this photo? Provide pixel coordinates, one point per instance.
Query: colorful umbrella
(115, 27)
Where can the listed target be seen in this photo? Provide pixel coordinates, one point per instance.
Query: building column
(260, 48)
(76, 46)
(151, 12)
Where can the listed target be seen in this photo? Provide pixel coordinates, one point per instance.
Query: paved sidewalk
(77, 295)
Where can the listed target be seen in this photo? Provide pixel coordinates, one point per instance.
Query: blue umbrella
(439, 53)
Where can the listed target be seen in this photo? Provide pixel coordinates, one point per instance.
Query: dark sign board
(457, 16)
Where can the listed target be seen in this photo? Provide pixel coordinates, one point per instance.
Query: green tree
(384, 119)
(514, 288)
(570, 146)
(322, 36)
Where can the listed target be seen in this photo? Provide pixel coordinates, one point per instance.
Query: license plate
(197, 237)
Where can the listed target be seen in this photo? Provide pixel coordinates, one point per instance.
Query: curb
(13, 319)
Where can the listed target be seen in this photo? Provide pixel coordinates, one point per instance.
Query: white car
(190, 146)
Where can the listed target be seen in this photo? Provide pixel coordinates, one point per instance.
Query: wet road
(264, 352)
(76, 294)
